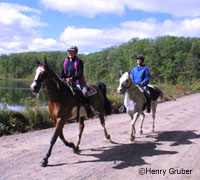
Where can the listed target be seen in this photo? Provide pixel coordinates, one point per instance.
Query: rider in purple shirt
(73, 71)
(141, 76)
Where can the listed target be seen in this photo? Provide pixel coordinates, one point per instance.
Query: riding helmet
(140, 57)
(72, 48)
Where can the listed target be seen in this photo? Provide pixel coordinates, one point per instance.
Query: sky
(92, 25)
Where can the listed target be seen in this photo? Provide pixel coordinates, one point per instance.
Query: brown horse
(63, 105)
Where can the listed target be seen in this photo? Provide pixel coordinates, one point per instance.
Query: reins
(127, 88)
(52, 77)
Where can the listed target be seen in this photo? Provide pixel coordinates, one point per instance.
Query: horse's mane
(54, 77)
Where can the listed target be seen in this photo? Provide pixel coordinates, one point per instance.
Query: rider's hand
(142, 83)
(68, 80)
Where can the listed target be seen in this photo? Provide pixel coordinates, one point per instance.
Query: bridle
(40, 81)
(126, 88)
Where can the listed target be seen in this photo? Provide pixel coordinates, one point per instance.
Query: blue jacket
(140, 74)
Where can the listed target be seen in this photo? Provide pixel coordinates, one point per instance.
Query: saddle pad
(91, 91)
(154, 93)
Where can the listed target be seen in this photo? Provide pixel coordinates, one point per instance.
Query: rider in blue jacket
(141, 76)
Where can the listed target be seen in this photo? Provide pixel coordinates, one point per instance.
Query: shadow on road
(126, 155)
(176, 137)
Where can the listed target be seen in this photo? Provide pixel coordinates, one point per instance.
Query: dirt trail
(172, 152)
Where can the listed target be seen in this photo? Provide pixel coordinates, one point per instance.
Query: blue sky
(92, 25)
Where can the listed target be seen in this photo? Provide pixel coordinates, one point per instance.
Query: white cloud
(11, 13)
(45, 44)
(97, 39)
(17, 28)
(18, 24)
(90, 8)
(182, 8)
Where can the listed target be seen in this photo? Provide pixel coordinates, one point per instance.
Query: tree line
(170, 60)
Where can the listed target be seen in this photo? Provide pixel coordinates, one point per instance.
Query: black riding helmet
(73, 48)
(140, 57)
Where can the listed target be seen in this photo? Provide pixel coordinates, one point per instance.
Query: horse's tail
(161, 95)
(107, 103)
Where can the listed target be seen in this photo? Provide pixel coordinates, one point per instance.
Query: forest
(170, 60)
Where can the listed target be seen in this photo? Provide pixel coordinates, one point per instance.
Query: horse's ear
(121, 72)
(45, 61)
(37, 62)
(129, 72)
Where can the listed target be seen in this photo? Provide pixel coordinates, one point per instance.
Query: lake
(14, 91)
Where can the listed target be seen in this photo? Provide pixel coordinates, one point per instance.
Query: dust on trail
(172, 152)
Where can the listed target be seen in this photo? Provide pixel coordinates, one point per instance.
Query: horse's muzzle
(34, 91)
(119, 91)
(34, 88)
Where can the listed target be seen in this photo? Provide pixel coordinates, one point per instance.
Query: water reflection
(27, 89)
(12, 108)
(13, 92)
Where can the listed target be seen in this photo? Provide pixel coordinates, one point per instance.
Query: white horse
(134, 101)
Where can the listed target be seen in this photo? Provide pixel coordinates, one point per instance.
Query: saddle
(154, 94)
(91, 91)
(81, 99)
(75, 90)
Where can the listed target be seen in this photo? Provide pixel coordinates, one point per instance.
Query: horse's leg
(153, 107)
(81, 128)
(59, 126)
(133, 121)
(69, 144)
(101, 117)
(142, 121)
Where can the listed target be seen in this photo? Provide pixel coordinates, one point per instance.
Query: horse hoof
(76, 150)
(108, 137)
(132, 138)
(43, 163)
(72, 145)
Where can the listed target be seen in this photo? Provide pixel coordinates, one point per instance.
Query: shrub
(29, 119)
(39, 118)
(18, 122)
(4, 123)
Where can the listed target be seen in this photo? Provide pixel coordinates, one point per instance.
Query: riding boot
(89, 111)
(148, 101)
(86, 103)
(148, 105)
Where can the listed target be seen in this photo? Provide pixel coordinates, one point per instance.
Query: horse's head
(124, 83)
(40, 76)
